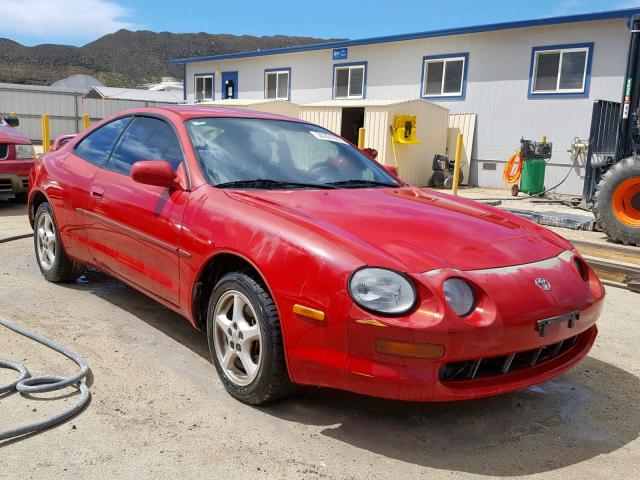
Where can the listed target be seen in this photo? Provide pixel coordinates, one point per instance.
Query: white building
(522, 79)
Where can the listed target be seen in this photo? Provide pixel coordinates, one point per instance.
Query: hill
(125, 58)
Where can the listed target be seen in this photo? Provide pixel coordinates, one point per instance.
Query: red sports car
(307, 262)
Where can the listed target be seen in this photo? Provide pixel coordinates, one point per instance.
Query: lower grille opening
(495, 366)
(6, 185)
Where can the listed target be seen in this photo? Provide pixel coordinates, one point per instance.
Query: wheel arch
(36, 198)
(212, 270)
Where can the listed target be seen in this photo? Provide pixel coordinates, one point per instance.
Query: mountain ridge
(127, 58)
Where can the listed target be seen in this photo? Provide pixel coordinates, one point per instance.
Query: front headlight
(25, 151)
(459, 296)
(382, 291)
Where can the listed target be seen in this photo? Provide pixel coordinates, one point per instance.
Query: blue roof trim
(585, 17)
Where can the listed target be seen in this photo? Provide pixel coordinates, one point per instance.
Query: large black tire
(605, 216)
(62, 269)
(272, 379)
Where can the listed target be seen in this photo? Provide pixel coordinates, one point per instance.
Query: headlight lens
(382, 291)
(25, 151)
(459, 296)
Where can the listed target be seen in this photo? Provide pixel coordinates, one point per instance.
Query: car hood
(417, 229)
(11, 135)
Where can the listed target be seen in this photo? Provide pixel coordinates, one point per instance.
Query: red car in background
(306, 262)
(16, 159)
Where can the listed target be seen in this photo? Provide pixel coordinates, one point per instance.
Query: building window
(560, 70)
(349, 81)
(276, 83)
(444, 76)
(203, 87)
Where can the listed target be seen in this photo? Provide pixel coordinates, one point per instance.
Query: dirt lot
(159, 411)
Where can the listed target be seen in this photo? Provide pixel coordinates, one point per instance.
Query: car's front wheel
(245, 340)
(54, 263)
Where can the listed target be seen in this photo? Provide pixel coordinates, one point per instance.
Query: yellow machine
(404, 129)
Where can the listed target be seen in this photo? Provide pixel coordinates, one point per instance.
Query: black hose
(535, 195)
(44, 383)
(17, 237)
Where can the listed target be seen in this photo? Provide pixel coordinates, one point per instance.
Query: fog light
(428, 351)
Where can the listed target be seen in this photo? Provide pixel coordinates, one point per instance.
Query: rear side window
(97, 146)
(146, 138)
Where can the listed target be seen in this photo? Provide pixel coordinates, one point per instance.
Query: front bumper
(12, 184)
(503, 332)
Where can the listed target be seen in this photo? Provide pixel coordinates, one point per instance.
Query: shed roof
(585, 17)
(135, 94)
(241, 102)
(384, 102)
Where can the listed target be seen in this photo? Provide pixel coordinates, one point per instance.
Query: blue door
(229, 85)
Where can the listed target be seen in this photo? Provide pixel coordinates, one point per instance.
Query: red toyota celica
(307, 262)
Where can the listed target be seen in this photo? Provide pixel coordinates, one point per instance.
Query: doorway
(352, 122)
(229, 85)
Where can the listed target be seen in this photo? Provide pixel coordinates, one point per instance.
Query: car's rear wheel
(245, 340)
(54, 263)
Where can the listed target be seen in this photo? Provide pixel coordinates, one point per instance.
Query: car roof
(199, 111)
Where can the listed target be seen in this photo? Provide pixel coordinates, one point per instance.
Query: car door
(74, 173)
(136, 230)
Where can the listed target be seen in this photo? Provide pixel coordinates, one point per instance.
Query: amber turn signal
(308, 312)
(428, 351)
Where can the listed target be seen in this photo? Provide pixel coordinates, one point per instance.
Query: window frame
(561, 93)
(349, 66)
(213, 87)
(277, 72)
(444, 58)
(94, 130)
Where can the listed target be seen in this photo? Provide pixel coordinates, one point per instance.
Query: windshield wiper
(267, 183)
(358, 182)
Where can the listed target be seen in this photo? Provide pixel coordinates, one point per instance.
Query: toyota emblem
(543, 283)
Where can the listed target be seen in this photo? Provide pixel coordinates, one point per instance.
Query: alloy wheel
(47, 241)
(237, 337)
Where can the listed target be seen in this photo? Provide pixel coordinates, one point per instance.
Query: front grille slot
(4, 150)
(495, 366)
(6, 185)
(25, 183)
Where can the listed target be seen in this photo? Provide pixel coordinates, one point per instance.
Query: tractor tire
(617, 202)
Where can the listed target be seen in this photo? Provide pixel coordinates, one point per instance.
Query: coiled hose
(44, 383)
(510, 175)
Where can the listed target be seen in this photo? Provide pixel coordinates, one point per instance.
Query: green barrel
(532, 179)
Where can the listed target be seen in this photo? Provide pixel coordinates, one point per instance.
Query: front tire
(245, 340)
(617, 202)
(54, 263)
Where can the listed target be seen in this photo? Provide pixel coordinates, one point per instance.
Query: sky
(77, 22)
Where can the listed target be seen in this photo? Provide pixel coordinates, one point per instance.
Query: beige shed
(412, 149)
(279, 107)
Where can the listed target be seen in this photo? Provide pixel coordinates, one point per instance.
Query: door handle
(97, 192)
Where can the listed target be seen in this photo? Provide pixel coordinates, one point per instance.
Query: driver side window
(147, 138)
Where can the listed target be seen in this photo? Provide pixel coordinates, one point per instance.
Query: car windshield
(266, 154)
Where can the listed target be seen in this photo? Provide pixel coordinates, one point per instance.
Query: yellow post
(544, 139)
(456, 166)
(86, 121)
(13, 114)
(361, 138)
(46, 133)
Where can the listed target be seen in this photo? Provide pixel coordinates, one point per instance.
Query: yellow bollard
(361, 138)
(456, 166)
(86, 121)
(544, 139)
(13, 114)
(46, 133)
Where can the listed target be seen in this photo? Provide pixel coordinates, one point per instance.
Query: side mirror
(155, 172)
(392, 170)
(12, 121)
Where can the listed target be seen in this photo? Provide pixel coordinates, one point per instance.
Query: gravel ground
(159, 411)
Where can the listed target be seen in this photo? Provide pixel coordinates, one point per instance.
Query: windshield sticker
(198, 123)
(327, 136)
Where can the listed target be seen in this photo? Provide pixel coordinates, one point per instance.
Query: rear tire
(54, 263)
(245, 340)
(617, 214)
